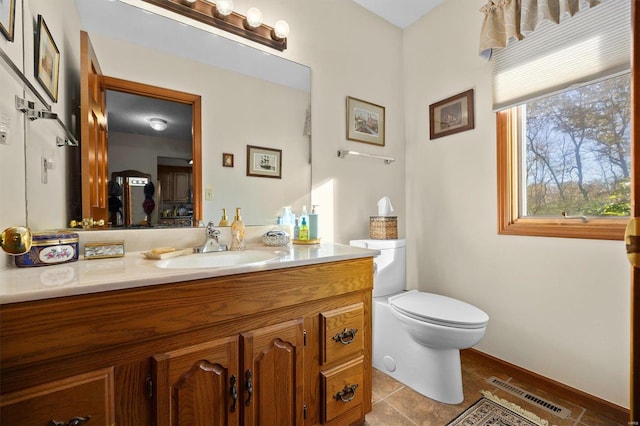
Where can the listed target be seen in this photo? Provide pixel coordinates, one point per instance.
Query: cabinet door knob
(249, 387)
(76, 421)
(346, 336)
(347, 393)
(234, 391)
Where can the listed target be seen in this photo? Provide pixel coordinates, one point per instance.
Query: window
(567, 154)
(562, 97)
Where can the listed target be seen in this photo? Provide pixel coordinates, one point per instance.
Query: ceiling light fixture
(158, 124)
(221, 15)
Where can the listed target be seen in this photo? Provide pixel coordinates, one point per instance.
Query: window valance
(507, 20)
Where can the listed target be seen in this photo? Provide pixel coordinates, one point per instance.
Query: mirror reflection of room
(149, 144)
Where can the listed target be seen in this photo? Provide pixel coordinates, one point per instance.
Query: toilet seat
(437, 309)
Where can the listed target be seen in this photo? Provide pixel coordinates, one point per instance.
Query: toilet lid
(438, 309)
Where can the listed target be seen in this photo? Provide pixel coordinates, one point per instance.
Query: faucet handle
(212, 231)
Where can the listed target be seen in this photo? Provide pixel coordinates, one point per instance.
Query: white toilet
(417, 336)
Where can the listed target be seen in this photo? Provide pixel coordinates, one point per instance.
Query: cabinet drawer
(342, 389)
(342, 333)
(86, 396)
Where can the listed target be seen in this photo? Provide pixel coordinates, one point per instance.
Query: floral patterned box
(50, 248)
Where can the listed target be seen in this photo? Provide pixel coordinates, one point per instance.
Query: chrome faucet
(211, 243)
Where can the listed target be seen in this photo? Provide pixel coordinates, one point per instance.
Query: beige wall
(558, 307)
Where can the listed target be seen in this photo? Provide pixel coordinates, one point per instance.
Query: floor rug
(494, 411)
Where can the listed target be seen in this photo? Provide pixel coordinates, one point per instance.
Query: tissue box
(50, 248)
(383, 227)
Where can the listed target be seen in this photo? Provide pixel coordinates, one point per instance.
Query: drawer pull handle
(346, 336)
(76, 421)
(347, 393)
(234, 392)
(249, 388)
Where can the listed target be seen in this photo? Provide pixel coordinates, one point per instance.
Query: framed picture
(451, 115)
(227, 160)
(47, 60)
(264, 162)
(7, 18)
(365, 122)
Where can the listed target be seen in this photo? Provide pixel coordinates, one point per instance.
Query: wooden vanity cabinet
(247, 349)
(214, 384)
(75, 400)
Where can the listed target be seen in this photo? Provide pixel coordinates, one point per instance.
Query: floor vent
(555, 409)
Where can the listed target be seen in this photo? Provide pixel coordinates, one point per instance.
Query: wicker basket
(383, 227)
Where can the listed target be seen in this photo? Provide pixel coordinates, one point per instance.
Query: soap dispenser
(224, 220)
(303, 232)
(237, 232)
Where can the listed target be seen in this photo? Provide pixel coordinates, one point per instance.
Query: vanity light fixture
(280, 30)
(254, 18)
(223, 8)
(221, 15)
(158, 124)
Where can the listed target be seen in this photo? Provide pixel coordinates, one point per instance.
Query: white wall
(351, 53)
(558, 307)
(17, 175)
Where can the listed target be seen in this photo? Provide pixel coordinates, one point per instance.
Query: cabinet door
(273, 375)
(198, 385)
(85, 398)
(166, 185)
(181, 186)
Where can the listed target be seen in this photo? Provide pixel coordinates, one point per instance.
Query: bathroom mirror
(249, 97)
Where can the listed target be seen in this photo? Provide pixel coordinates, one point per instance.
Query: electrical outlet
(208, 193)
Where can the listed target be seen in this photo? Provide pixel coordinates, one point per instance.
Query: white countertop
(134, 270)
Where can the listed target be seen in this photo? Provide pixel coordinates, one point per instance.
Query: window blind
(593, 44)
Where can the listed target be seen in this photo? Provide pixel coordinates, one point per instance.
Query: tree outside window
(569, 155)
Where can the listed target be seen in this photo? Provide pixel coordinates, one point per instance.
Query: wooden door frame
(132, 87)
(634, 399)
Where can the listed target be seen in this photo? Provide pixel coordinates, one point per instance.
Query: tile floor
(394, 404)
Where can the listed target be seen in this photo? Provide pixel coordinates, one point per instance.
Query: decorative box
(102, 250)
(276, 238)
(50, 248)
(383, 227)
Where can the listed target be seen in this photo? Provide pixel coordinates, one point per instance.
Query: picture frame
(227, 160)
(47, 60)
(452, 115)
(365, 122)
(264, 162)
(7, 18)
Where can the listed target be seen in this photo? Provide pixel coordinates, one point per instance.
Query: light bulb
(281, 29)
(224, 7)
(158, 124)
(254, 17)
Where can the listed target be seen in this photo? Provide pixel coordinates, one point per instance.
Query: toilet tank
(390, 272)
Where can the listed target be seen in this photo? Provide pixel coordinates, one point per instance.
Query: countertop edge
(133, 271)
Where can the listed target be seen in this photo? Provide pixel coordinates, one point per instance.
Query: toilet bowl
(417, 336)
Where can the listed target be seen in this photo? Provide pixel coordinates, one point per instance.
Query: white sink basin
(219, 259)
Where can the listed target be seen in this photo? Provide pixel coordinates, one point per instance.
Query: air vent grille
(555, 409)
